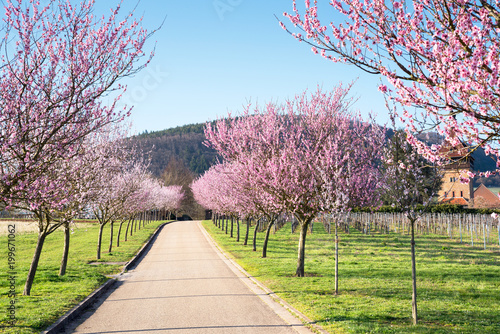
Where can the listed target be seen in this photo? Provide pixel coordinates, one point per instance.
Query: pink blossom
(300, 156)
(447, 73)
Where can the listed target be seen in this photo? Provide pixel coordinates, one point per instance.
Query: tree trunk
(232, 225)
(237, 229)
(111, 237)
(99, 241)
(336, 261)
(266, 239)
(413, 276)
(255, 236)
(227, 223)
(246, 234)
(34, 263)
(119, 232)
(302, 248)
(64, 260)
(126, 230)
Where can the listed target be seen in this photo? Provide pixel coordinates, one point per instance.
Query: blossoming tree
(439, 56)
(72, 183)
(286, 150)
(409, 181)
(225, 189)
(59, 60)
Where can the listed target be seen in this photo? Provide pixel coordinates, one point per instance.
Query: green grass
(458, 286)
(52, 295)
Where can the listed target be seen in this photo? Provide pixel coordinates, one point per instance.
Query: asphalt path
(185, 285)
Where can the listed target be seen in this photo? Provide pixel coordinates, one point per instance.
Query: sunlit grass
(458, 286)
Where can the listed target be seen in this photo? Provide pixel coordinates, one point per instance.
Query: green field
(458, 286)
(52, 295)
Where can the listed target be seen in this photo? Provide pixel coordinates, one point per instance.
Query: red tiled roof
(455, 200)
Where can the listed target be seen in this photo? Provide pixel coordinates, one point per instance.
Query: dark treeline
(184, 143)
(177, 157)
(179, 130)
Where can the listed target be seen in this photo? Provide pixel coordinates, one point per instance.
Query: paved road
(184, 285)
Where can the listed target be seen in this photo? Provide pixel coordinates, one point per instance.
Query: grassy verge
(458, 286)
(52, 295)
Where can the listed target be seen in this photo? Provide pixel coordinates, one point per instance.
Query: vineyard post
(471, 231)
(484, 233)
(460, 226)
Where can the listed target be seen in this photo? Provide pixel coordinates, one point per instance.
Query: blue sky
(214, 56)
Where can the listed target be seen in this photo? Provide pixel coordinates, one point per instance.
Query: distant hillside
(179, 130)
(186, 144)
(183, 142)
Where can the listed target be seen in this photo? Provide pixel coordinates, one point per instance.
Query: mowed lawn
(458, 286)
(52, 295)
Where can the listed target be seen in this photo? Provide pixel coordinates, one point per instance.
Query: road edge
(69, 316)
(277, 302)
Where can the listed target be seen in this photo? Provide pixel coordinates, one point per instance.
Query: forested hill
(183, 142)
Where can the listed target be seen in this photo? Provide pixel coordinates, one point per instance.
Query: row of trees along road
(440, 57)
(306, 156)
(61, 149)
(311, 156)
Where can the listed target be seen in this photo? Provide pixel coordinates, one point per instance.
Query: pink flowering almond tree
(353, 178)
(140, 192)
(72, 183)
(136, 201)
(408, 183)
(252, 201)
(80, 175)
(441, 57)
(216, 190)
(58, 62)
(117, 183)
(286, 150)
(169, 198)
(224, 189)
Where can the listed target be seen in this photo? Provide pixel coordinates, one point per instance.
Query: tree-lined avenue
(183, 285)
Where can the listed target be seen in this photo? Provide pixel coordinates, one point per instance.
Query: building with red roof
(459, 162)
